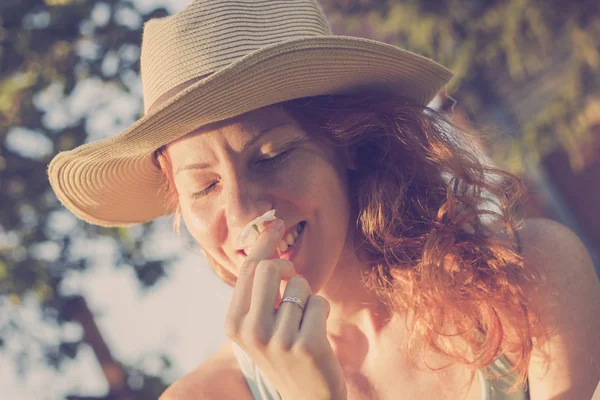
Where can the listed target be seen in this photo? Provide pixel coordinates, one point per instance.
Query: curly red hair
(429, 216)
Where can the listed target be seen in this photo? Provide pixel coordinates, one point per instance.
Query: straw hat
(215, 60)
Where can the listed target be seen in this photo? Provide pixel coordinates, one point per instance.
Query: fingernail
(275, 225)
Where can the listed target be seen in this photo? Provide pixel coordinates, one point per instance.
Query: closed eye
(264, 162)
(274, 160)
(206, 191)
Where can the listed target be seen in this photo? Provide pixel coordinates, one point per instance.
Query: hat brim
(114, 181)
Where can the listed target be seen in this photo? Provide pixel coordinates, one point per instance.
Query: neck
(356, 311)
(360, 328)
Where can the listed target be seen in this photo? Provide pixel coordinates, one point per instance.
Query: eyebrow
(248, 144)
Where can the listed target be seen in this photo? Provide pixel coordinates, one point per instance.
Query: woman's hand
(290, 348)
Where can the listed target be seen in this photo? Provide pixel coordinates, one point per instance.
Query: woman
(396, 282)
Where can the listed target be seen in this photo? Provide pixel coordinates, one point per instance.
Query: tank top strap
(260, 387)
(496, 382)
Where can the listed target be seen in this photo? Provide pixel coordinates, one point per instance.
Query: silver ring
(294, 300)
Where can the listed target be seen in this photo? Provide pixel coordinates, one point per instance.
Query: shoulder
(544, 235)
(219, 377)
(565, 265)
(568, 303)
(558, 253)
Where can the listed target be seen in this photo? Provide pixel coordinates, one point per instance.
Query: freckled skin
(309, 184)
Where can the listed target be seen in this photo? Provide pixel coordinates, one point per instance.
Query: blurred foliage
(45, 45)
(530, 68)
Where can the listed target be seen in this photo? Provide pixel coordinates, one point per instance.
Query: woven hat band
(211, 34)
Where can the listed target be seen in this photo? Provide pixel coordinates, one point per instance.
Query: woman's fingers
(289, 344)
(265, 293)
(264, 248)
(314, 321)
(289, 315)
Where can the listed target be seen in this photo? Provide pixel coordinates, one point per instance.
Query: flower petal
(251, 231)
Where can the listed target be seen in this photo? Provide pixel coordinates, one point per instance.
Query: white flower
(250, 233)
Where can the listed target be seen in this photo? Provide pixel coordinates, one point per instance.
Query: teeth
(289, 238)
(282, 246)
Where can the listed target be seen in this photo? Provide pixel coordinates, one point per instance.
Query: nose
(245, 200)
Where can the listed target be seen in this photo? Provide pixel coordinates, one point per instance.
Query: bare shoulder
(556, 250)
(566, 267)
(219, 377)
(543, 232)
(568, 303)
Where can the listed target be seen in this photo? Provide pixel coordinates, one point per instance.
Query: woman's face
(228, 174)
